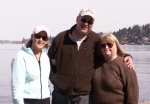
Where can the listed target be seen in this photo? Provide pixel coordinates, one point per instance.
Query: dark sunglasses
(38, 36)
(85, 21)
(103, 45)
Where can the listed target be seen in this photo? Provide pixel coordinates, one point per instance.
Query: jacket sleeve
(17, 79)
(132, 90)
(52, 55)
(125, 55)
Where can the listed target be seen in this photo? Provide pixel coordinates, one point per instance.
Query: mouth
(84, 26)
(39, 43)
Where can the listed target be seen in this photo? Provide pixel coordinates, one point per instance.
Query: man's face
(84, 24)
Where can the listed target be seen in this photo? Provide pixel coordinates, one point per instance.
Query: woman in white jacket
(30, 70)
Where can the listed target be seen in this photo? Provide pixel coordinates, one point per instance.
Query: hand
(53, 61)
(129, 62)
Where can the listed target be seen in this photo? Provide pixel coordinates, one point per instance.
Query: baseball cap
(40, 28)
(88, 12)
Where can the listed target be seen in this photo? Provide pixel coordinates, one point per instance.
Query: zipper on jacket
(70, 50)
(85, 49)
(76, 66)
(40, 78)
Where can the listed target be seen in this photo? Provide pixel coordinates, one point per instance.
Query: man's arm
(129, 61)
(51, 54)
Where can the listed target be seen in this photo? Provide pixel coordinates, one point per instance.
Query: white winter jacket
(29, 78)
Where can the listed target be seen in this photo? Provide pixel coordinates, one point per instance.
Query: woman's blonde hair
(111, 38)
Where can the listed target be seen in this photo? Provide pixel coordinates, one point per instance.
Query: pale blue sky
(19, 17)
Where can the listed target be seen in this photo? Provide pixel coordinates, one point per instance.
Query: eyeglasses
(103, 45)
(85, 21)
(38, 36)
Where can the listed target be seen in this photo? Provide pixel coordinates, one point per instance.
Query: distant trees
(136, 34)
(23, 40)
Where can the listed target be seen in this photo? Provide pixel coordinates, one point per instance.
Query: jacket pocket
(64, 82)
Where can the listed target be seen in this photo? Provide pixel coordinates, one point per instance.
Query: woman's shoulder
(120, 63)
(118, 60)
(23, 52)
(117, 63)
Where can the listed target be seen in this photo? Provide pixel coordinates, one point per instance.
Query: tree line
(134, 35)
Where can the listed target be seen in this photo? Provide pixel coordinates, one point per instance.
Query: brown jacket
(74, 69)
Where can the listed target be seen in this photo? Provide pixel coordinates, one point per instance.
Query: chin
(85, 32)
(107, 55)
(40, 47)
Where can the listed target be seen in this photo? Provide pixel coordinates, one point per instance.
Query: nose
(41, 39)
(107, 46)
(86, 23)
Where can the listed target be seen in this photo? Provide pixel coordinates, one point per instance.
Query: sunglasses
(103, 45)
(38, 36)
(85, 21)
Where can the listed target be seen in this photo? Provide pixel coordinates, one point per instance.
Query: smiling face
(108, 48)
(39, 41)
(84, 24)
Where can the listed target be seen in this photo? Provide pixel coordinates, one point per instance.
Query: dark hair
(29, 43)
